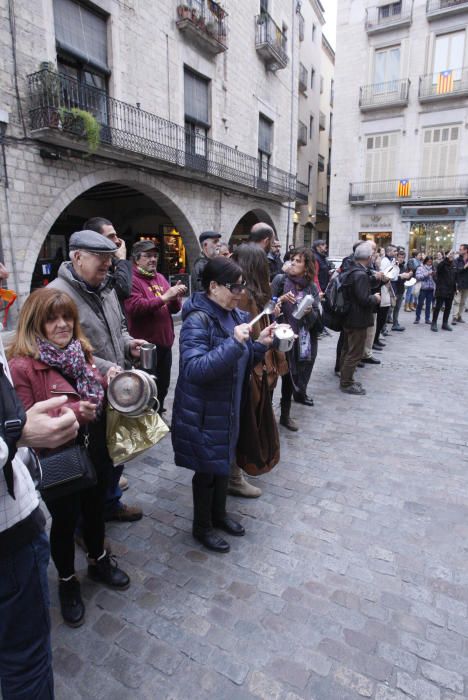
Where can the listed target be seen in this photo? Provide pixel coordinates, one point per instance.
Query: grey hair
(389, 248)
(363, 251)
(72, 254)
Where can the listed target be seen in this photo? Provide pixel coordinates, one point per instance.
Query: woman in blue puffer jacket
(216, 357)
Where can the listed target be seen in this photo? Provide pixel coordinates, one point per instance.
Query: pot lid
(129, 391)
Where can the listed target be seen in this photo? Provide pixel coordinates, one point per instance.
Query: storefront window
(432, 237)
(382, 238)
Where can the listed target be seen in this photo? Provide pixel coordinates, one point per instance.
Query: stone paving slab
(352, 579)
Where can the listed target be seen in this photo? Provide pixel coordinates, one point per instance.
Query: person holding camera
(446, 285)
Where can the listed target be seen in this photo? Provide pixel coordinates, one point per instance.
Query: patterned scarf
(71, 362)
(145, 273)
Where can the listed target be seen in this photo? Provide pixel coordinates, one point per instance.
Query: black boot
(105, 570)
(220, 518)
(285, 418)
(202, 528)
(71, 604)
(434, 326)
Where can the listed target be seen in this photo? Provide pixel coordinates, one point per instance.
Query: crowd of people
(76, 335)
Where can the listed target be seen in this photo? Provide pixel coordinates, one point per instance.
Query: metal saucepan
(133, 392)
(267, 309)
(285, 337)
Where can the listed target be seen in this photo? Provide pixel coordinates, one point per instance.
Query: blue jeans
(114, 492)
(425, 295)
(25, 653)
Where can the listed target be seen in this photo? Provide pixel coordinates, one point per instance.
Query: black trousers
(89, 504)
(163, 373)
(382, 313)
(446, 302)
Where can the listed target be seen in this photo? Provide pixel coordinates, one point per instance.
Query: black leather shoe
(380, 343)
(377, 347)
(398, 328)
(371, 361)
(289, 423)
(304, 400)
(446, 327)
(229, 525)
(434, 327)
(71, 604)
(360, 364)
(211, 540)
(106, 571)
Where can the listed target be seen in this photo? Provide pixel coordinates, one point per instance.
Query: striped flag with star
(444, 82)
(404, 188)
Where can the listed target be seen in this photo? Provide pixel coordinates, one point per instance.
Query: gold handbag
(129, 437)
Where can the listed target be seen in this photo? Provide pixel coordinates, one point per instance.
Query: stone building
(315, 80)
(400, 146)
(167, 117)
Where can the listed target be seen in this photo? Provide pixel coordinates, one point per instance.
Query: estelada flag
(404, 188)
(445, 82)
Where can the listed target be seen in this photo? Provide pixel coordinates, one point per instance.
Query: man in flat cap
(209, 241)
(149, 310)
(86, 280)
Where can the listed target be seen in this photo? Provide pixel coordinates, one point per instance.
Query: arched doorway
(241, 230)
(135, 215)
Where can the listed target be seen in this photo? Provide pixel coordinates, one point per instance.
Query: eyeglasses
(101, 256)
(149, 255)
(235, 287)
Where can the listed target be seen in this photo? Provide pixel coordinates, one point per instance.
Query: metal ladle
(267, 309)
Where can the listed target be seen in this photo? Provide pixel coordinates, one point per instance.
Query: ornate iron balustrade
(418, 188)
(444, 85)
(302, 191)
(383, 17)
(392, 94)
(270, 42)
(301, 134)
(303, 78)
(55, 97)
(206, 20)
(441, 8)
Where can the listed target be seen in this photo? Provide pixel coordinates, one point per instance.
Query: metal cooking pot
(133, 392)
(284, 335)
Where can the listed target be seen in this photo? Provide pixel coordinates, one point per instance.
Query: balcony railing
(445, 85)
(302, 191)
(444, 8)
(303, 78)
(205, 23)
(321, 163)
(322, 208)
(301, 134)
(410, 189)
(270, 42)
(322, 121)
(380, 95)
(55, 101)
(384, 17)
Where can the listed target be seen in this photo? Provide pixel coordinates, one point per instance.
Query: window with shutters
(440, 151)
(265, 146)
(381, 156)
(197, 118)
(386, 69)
(388, 11)
(449, 52)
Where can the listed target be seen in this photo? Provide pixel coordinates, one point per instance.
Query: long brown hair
(254, 264)
(41, 306)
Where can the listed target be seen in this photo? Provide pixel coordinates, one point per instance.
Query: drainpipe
(295, 8)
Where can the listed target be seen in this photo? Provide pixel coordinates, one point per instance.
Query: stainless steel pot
(285, 337)
(133, 392)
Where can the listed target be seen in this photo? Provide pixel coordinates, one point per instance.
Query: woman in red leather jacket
(50, 356)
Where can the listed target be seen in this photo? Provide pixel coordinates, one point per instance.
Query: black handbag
(66, 471)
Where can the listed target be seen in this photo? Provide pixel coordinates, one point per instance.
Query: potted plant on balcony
(184, 12)
(82, 123)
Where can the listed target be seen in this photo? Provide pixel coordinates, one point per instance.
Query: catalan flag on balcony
(404, 188)
(444, 82)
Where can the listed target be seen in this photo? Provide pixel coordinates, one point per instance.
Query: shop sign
(373, 221)
(453, 213)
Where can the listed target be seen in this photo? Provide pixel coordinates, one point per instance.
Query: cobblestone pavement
(352, 579)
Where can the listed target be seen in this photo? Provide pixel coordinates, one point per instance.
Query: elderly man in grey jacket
(85, 279)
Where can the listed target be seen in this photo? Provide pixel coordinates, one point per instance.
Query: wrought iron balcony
(448, 84)
(301, 134)
(322, 121)
(59, 107)
(270, 42)
(321, 163)
(322, 208)
(302, 191)
(444, 8)
(303, 78)
(204, 22)
(381, 95)
(385, 17)
(449, 187)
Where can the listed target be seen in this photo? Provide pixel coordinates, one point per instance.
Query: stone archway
(154, 187)
(245, 223)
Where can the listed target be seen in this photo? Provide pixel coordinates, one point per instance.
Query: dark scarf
(71, 362)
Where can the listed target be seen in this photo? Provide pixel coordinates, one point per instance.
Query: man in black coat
(446, 284)
(359, 317)
(462, 282)
(325, 267)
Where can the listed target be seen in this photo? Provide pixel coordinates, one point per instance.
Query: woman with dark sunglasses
(216, 358)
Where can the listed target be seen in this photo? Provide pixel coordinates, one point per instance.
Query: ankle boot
(202, 528)
(239, 486)
(71, 604)
(104, 569)
(434, 326)
(285, 418)
(407, 307)
(446, 327)
(220, 518)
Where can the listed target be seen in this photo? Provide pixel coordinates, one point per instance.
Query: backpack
(12, 421)
(336, 302)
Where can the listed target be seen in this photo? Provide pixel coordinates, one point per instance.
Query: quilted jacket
(203, 416)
